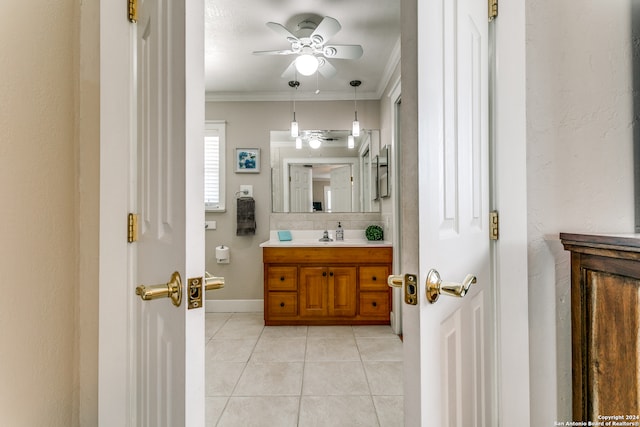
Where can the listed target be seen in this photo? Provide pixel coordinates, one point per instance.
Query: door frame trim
(510, 200)
(116, 404)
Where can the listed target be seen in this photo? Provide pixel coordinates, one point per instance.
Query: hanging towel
(246, 216)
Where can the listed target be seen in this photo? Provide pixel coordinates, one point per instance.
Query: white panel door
(301, 188)
(340, 182)
(169, 339)
(454, 338)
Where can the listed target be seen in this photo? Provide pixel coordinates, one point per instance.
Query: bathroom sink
(309, 238)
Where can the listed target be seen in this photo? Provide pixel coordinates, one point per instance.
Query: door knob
(435, 286)
(171, 289)
(212, 283)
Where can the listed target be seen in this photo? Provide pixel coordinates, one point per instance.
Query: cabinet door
(342, 291)
(313, 291)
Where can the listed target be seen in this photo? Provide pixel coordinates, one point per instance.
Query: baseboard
(234, 306)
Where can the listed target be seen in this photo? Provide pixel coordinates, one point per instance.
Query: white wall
(579, 167)
(39, 266)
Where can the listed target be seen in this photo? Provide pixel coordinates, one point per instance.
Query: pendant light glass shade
(298, 143)
(351, 142)
(355, 129)
(294, 124)
(306, 64)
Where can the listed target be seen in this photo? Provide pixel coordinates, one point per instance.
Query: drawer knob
(374, 278)
(281, 304)
(375, 304)
(282, 278)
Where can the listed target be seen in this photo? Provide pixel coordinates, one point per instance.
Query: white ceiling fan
(310, 46)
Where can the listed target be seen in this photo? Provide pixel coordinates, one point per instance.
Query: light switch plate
(210, 225)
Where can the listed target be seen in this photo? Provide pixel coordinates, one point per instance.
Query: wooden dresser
(605, 322)
(327, 285)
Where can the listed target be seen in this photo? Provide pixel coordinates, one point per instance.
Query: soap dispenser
(339, 232)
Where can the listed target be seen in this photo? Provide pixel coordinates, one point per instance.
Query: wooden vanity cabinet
(326, 285)
(605, 325)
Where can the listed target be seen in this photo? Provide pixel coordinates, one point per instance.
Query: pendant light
(294, 124)
(355, 130)
(351, 143)
(298, 143)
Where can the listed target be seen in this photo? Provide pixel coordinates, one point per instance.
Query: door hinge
(132, 228)
(493, 9)
(493, 225)
(133, 11)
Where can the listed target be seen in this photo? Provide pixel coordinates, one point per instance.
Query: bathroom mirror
(321, 173)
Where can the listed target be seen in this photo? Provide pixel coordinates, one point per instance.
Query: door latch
(410, 282)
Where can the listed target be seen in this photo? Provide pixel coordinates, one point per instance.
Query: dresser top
(621, 241)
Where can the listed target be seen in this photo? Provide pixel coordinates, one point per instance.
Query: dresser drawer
(282, 278)
(374, 278)
(282, 304)
(374, 304)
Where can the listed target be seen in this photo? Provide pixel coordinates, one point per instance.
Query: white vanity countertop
(310, 238)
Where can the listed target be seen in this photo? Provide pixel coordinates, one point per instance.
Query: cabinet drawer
(374, 278)
(282, 278)
(374, 304)
(282, 304)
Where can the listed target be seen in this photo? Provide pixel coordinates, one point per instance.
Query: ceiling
(236, 28)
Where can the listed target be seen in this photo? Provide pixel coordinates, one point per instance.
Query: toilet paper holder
(222, 254)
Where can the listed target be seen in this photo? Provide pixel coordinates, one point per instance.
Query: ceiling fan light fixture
(314, 142)
(351, 142)
(306, 64)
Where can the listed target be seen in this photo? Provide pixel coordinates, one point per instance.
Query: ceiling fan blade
(282, 30)
(325, 30)
(290, 72)
(346, 51)
(326, 69)
(274, 52)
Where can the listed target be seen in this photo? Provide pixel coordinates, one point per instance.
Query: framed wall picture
(247, 160)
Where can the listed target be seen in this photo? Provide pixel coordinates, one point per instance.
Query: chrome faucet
(325, 237)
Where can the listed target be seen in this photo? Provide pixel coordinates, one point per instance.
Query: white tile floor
(279, 376)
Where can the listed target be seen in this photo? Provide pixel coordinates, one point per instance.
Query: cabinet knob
(374, 278)
(375, 304)
(282, 278)
(281, 304)
(324, 274)
(331, 274)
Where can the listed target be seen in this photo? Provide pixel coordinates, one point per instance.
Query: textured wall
(38, 267)
(579, 166)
